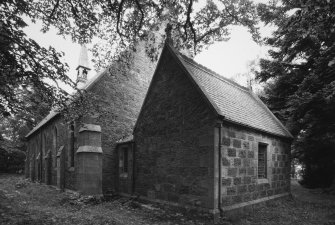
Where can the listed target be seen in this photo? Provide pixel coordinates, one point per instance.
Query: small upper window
(262, 161)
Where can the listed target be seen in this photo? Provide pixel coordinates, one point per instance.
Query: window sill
(262, 181)
(71, 169)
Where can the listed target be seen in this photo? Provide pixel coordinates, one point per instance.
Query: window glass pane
(262, 161)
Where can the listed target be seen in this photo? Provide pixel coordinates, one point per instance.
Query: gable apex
(229, 100)
(168, 49)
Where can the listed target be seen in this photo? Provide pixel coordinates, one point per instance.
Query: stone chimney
(83, 67)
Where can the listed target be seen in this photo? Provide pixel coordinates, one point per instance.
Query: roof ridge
(213, 73)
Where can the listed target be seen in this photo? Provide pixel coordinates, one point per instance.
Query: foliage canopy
(26, 66)
(301, 80)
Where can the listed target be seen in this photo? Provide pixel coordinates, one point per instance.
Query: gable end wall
(120, 93)
(174, 140)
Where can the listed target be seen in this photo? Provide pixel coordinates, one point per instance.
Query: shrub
(12, 161)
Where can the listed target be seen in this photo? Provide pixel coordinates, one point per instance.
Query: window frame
(264, 179)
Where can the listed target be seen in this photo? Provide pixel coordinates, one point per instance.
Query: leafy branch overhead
(123, 23)
(26, 67)
(119, 24)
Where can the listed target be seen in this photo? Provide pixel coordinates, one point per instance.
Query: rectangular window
(262, 161)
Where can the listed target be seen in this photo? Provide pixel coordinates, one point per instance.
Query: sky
(228, 58)
(232, 57)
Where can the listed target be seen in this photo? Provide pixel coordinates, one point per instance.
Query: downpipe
(220, 169)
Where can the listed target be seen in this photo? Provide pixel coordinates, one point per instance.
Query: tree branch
(142, 15)
(208, 33)
(53, 10)
(189, 24)
(230, 14)
(118, 19)
(73, 9)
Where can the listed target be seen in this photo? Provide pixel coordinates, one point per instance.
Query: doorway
(125, 152)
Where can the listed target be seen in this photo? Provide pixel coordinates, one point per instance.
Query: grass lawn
(25, 203)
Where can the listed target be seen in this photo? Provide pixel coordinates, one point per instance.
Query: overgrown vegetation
(22, 202)
(12, 158)
(12, 161)
(13, 129)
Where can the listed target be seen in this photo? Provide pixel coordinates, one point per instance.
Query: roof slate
(234, 102)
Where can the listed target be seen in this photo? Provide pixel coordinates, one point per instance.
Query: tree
(25, 65)
(14, 128)
(122, 23)
(11, 158)
(301, 83)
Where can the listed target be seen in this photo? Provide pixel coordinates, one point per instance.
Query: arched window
(54, 146)
(44, 150)
(71, 145)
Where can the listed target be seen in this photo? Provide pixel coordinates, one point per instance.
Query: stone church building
(191, 138)
(85, 150)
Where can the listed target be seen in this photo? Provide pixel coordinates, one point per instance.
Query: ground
(23, 202)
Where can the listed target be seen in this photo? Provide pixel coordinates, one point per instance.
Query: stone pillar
(60, 167)
(89, 160)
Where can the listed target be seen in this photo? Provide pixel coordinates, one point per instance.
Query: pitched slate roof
(51, 115)
(235, 103)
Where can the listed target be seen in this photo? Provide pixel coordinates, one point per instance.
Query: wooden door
(126, 168)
